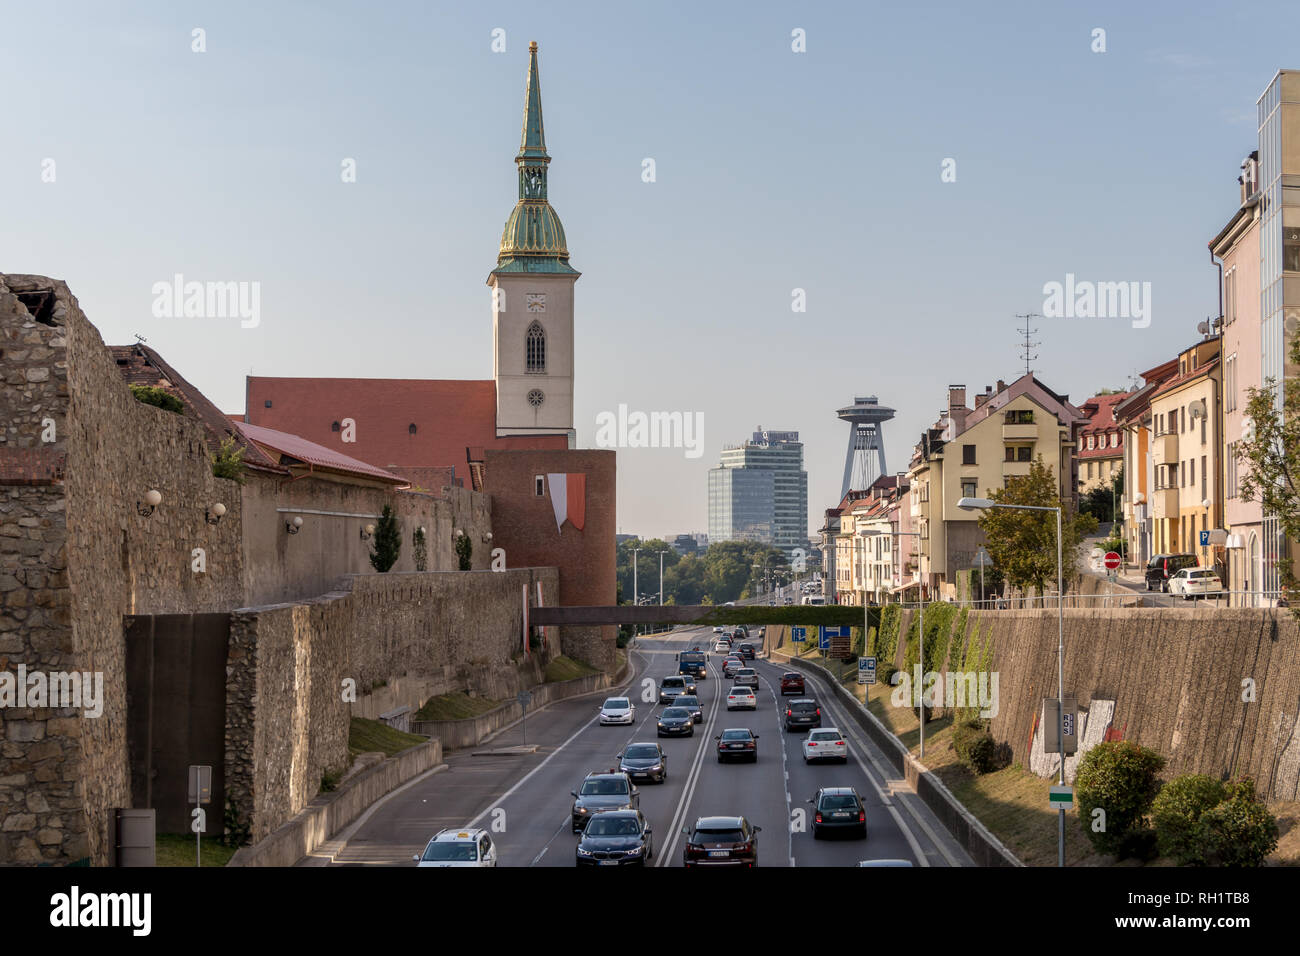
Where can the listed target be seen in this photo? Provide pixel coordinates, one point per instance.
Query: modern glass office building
(1279, 258)
(759, 492)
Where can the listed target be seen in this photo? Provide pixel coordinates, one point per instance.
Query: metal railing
(1221, 599)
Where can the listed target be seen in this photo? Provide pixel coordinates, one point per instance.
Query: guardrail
(1124, 597)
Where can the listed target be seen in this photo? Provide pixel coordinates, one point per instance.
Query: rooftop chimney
(1249, 177)
(957, 409)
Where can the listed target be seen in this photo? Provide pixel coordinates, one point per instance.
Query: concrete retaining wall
(331, 812)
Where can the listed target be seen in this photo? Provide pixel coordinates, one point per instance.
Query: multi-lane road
(524, 799)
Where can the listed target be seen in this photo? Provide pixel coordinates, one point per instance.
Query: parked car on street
(1162, 567)
(1196, 582)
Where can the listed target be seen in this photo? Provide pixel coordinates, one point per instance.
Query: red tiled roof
(1185, 377)
(449, 417)
(293, 447)
(1100, 410)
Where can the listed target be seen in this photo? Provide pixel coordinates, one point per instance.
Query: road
(525, 799)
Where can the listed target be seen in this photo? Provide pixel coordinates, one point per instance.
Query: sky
(774, 171)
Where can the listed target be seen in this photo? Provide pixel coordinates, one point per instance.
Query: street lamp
(920, 622)
(661, 575)
(983, 504)
(636, 595)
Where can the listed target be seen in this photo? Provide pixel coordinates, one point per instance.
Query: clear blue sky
(775, 170)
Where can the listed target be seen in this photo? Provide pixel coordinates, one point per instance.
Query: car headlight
(661, 723)
(582, 852)
(636, 851)
(582, 809)
(657, 766)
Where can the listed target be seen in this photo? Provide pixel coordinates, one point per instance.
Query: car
(742, 698)
(458, 848)
(644, 761)
(721, 841)
(719, 630)
(617, 710)
(826, 743)
(673, 685)
(746, 676)
(722, 647)
(731, 665)
(737, 742)
(616, 838)
(802, 713)
(691, 703)
(1195, 582)
(814, 600)
(838, 810)
(886, 863)
(1162, 567)
(676, 722)
(601, 792)
(740, 633)
(791, 683)
(746, 651)
(789, 601)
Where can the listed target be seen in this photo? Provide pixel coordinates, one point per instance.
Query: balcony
(1164, 503)
(1164, 449)
(1016, 469)
(1023, 432)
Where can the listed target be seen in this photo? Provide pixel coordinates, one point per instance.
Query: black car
(1162, 567)
(600, 793)
(644, 762)
(838, 809)
(746, 651)
(721, 841)
(737, 742)
(691, 703)
(676, 722)
(802, 713)
(616, 838)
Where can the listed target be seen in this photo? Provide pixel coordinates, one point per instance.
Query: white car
(1191, 582)
(826, 743)
(741, 698)
(458, 848)
(719, 630)
(721, 647)
(617, 710)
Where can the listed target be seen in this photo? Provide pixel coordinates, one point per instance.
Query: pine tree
(388, 542)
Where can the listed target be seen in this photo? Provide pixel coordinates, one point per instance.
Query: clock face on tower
(536, 301)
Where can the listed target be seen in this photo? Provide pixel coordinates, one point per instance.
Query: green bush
(1176, 813)
(157, 397)
(1119, 777)
(886, 638)
(975, 746)
(1239, 831)
(228, 462)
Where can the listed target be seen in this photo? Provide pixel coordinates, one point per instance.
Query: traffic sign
(798, 634)
(1113, 560)
(1205, 539)
(1060, 798)
(983, 559)
(523, 697)
(866, 670)
(1052, 725)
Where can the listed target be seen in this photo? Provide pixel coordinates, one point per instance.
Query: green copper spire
(533, 238)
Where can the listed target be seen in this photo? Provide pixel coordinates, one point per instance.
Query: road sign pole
(1060, 679)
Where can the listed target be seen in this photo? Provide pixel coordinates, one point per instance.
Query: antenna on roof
(140, 338)
(1029, 345)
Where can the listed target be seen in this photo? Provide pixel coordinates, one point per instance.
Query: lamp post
(661, 576)
(636, 594)
(982, 504)
(920, 623)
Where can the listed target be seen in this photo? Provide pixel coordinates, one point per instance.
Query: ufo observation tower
(865, 416)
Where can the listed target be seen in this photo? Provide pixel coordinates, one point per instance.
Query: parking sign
(866, 670)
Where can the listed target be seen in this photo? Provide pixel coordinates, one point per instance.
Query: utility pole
(661, 577)
(636, 595)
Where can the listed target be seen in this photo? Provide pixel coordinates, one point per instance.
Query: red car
(791, 683)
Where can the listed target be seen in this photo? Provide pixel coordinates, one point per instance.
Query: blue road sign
(824, 639)
(798, 634)
(866, 670)
(1205, 539)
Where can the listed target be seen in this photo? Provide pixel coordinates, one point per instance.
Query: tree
(1023, 543)
(1271, 453)
(1101, 502)
(464, 551)
(388, 542)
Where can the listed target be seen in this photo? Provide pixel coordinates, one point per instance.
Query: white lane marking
(789, 811)
(692, 779)
(540, 855)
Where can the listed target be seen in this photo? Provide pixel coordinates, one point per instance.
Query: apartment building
(1101, 442)
(1134, 416)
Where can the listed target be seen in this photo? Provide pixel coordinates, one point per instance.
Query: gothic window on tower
(535, 398)
(536, 351)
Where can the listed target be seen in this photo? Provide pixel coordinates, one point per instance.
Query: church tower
(532, 296)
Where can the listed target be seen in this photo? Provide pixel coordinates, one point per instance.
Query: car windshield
(602, 826)
(615, 703)
(839, 801)
(741, 692)
(802, 705)
(604, 787)
(688, 700)
(735, 735)
(677, 712)
(642, 750)
(745, 672)
(720, 835)
(1202, 574)
(466, 852)
(673, 682)
(791, 677)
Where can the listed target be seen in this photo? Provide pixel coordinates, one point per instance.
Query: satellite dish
(1203, 328)
(1195, 412)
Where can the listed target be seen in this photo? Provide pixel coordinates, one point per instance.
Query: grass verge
(177, 849)
(456, 706)
(566, 668)
(368, 736)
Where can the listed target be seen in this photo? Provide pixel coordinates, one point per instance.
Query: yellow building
(971, 453)
(1187, 497)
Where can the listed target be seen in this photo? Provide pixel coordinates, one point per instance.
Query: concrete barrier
(331, 812)
(984, 848)
(471, 731)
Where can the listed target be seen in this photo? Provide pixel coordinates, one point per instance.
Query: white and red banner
(568, 498)
(525, 593)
